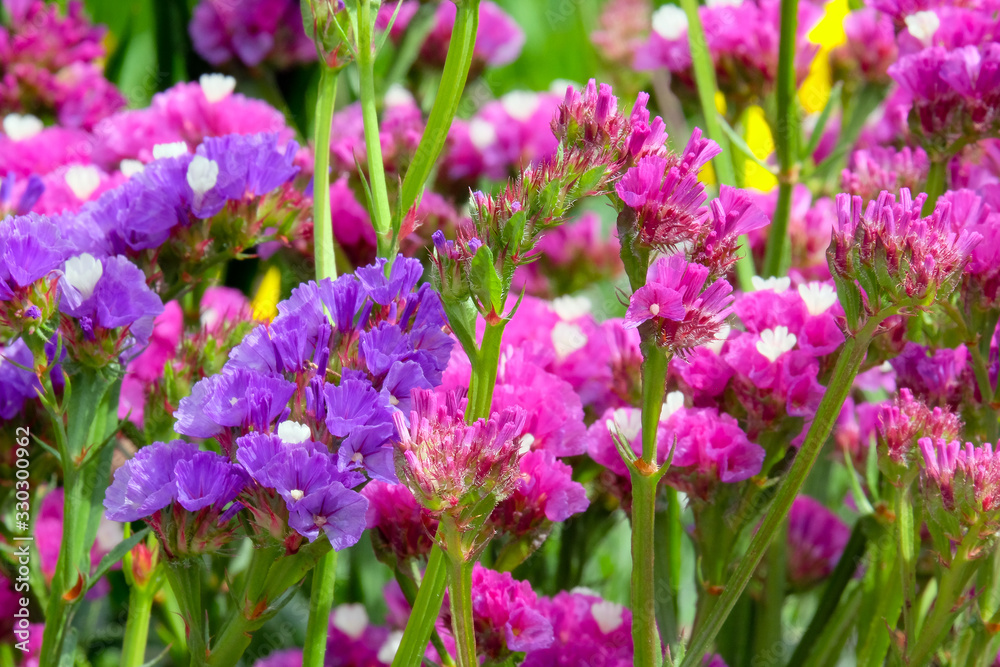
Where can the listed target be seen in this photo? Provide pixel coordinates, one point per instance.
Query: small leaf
(116, 555)
(485, 281)
(850, 299)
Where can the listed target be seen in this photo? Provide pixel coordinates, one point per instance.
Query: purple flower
(961, 484)
(16, 383)
(207, 479)
(111, 293)
(382, 289)
(898, 426)
(252, 32)
(334, 510)
(235, 398)
(147, 482)
(873, 170)
(733, 214)
(31, 247)
(816, 538)
(584, 626)
(250, 164)
(654, 301)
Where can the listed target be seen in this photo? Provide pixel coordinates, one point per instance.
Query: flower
(400, 526)
(545, 493)
(733, 214)
(961, 485)
(146, 483)
(816, 538)
(251, 32)
(705, 309)
(898, 427)
(449, 465)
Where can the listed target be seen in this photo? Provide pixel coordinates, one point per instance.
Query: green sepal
(850, 299)
(487, 286)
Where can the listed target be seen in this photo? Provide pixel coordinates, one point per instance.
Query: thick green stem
(785, 131)
(460, 601)
(184, 578)
(326, 260)
(645, 480)
(484, 377)
(908, 540)
(453, 78)
(232, 642)
(768, 625)
(934, 186)
(425, 611)
(704, 76)
(320, 605)
(140, 607)
(381, 216)
(849, 362)
(669, 533)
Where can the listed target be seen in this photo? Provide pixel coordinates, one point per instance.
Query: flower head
(816, 538)
(450, 465)
(961, 485)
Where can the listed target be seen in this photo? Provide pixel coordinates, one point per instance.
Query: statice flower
(954, 94)
(450, 466)
(508, 615)
(870, 171)
(50, 66)
(353, 640)
(400, 527)
(961, 486)
(584, 626)
(667, 196)
(900, 424)
(28, 148)
(870, 48)
(810, 226)
(32, 249)
(816, 538)
(545, 494)
(189, 113)
(922, 257)
(17, 384)
(253, 32)
(936, 376)
(684, 313)
(733, 214)
(742, 40)
(623, 27)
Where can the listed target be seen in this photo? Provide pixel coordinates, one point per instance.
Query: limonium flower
(255, 32)
(400, 527)
(734, 214)
(870, 48)
(451, 466)
(816, 538)
(584, 626)
(545, 494)
(936, 376)
(961, 485)
(870, 171)
(900, 424)
(684, 312)
(922, 256)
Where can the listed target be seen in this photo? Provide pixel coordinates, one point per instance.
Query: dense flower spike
(450, 466)
(900, 425)
(961, 485)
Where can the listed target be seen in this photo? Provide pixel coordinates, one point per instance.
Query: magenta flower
(733, 214)
(898, 427)
(816, 538)
(545, 494)
(870, 171)
(705, 310)
(400, 526)
(961, 484)
(450, 465)
(252, 32)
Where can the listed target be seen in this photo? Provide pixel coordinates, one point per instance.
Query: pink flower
(816, 538)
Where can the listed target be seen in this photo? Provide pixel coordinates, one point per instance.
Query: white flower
(525, 443)
(397, 96)
(82, 272)
(923, 25)
(608, 615)
(217, 86)
(388, 649)
(83, 180)
(723, 3)
(818, 297)
(774, 283)
(775, 342)
(570, 308)
(18, 127)
(520, 104)
(173, 149)
(482, 134)
(626, 422)
(670, 22)
(130, 168)
(567, 338)
(351, 619)
(293, 433)
(202, 174)
(674, 402)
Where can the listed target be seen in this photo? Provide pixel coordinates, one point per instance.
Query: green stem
(184, 578)
(326, 259)
(320, 605)
(460, 600)
(704, 77)
(785, 131)
(426, 608)
(232, 642)
(908, 541)
(951, 586)
(140, 607)
(669, 533)
(768, 626)
(381, 215)
(409, 584)
(453, 79)
(848, 364)
(842, 575)
(934, 186)
(645, 480)
(485, 373)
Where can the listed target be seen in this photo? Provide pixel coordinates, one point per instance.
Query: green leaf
(850, 299)
(486, 283)
(739, 144)
(462, 317)
(115, 555)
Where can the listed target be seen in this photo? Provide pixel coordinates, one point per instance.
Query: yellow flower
(265, 301)
(828, 34)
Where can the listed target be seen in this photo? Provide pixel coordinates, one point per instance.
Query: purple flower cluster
(816, 538)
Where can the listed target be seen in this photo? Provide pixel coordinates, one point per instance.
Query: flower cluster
(264, 31)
